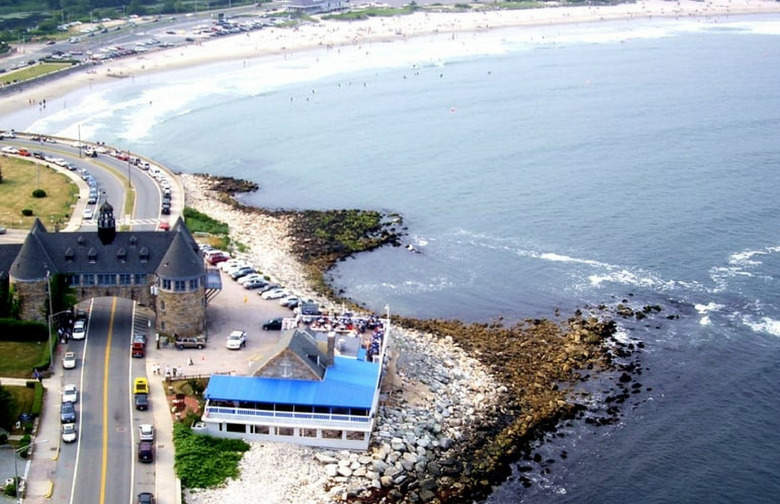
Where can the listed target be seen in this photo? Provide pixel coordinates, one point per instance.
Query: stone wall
(33, 298)
(184, 313)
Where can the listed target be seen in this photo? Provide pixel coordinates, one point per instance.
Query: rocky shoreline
(461, 403)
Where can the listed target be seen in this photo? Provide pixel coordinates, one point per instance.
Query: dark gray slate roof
(82, 252)
(8, 253)
(183, 259)
(301, 344)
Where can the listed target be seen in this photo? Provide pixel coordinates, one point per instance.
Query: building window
(140, 279)
(106, 279)
(87, 280)
(309, 433)
(180, 285)
(125, 279)
(162, 305)
(260, 429)
(331, 434)
(194, 285)
(73, 280)
(233, 427)
(166, 285)
(285, 431)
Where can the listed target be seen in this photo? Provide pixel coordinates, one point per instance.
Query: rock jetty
(460, 402)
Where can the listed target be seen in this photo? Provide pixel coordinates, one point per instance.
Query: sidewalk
(38, 471)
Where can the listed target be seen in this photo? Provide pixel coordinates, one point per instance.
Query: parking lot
(234, 308)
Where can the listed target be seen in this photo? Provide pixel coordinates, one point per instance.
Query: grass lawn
(20, 178)
(23, 399)
(19, 358)
(31, 72)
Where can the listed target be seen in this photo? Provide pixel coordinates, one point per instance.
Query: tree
(7, 409)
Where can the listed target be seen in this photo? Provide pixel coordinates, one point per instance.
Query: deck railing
(242, 415)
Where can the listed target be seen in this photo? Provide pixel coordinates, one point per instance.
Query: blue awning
(348, 383)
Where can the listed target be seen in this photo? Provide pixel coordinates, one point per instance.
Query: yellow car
(140, 386)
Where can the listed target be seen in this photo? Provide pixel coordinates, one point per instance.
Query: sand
(323, 33)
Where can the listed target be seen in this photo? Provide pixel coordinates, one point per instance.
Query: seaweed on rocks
(534, 361)
(320, 238)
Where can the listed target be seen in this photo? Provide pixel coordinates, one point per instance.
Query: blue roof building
(315, 388)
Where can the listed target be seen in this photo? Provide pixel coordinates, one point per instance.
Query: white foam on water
(709, 307)
(765, 325)
(746, 257)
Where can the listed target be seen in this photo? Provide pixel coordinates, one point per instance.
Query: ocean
(549, 168)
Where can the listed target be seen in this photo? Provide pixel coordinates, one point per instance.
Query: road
(102, 467)
(111, 175)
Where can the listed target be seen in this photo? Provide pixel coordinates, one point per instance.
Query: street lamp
(18, 451)
(51, 310)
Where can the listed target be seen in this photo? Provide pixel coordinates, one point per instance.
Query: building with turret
(161, 270)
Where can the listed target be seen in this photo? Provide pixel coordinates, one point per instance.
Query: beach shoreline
(334, 34)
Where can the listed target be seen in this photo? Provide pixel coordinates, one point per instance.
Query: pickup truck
(138, 347)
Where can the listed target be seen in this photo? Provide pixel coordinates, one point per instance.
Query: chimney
(331, 347)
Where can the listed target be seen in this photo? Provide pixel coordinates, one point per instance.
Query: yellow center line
(104, 465)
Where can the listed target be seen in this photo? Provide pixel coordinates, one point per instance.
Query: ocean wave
(765, 325)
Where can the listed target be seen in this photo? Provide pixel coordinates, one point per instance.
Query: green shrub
(24, 444)
(39, 193)
(27, 212)
(37, 405)
(22, 330)
(203, 461)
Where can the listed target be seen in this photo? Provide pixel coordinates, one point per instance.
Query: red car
(165, 226)
(217, 258)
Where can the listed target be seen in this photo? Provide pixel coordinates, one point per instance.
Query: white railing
(245, 415)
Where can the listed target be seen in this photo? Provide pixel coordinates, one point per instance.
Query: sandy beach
(324, 33)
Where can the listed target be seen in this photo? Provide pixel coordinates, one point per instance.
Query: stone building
(162, 270)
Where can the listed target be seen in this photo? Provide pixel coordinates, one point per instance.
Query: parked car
(141, 402)
(183, 343)
(79, 330)
(165, 209)
(309, 309)
(146, 432)
(67, 412)
(290, 301)
(274, 294)
(217, 258)
(69, 360)
(140, 386)
(70, 394)
(146, 451)
(89, 213)
(267, 288)
(236, 340)
(250, 277)
(69, 433)
(274, 324)
(145, 498)
(254, 284)
(231, 264)
(241, 272)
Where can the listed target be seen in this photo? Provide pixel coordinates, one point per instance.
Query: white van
(155, 171)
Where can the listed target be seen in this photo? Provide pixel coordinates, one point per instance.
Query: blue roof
(348, 383)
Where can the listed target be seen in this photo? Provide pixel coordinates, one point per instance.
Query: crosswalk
(126, 222)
